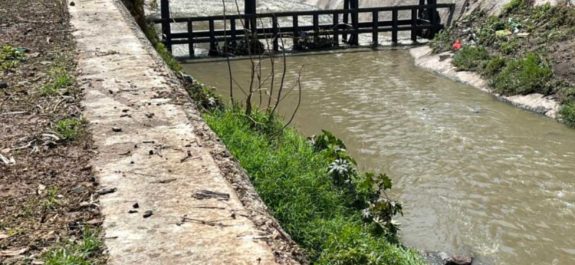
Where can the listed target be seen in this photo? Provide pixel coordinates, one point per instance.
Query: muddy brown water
(477, 176)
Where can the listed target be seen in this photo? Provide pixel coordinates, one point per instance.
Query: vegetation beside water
(522, 51)
(313, 188)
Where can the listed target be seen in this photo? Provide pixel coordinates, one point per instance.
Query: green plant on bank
(10, 57)
(69, 129)
(470, 58)
(59, 80)
(442, 41)
(567, 113)
(51, 199)
(523, 76)
(320, 208)
(81, 252)
(204, 98)
(514, 5)
(493, 66)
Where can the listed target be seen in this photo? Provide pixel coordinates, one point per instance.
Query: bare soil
(47, 191)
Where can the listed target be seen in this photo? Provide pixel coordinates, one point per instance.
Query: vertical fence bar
(190, 38)
(345, 17)
(414, 25)
(316, 28)
(375, 29)
(395, 26)
(233, 32)
(166, 26)
(275, 33)
(213, 46)
(336, 29)
(295, 30)
(433, 18)
(354, 4)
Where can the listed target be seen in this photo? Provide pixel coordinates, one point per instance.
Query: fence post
(414, 25)
(335, 29)
(275, 33)
(354, 4)
(375, 28)
(166, 27)
(345, 18)
(190, 38)
(394, 22)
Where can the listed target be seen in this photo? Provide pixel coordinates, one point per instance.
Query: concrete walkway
(148, 155)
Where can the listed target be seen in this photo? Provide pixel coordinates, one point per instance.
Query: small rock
(151, 152)
(116, 129)
(132, 211)
(72, 3)
(460, 260)
(136, 206)
(3, 85)
(79, 189)
(105, 191)
(148, 213)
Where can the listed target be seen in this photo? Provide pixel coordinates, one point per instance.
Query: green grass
(60, 79)
(69, 129)
(293, 181)
(10, 57)
(567, 114)
(493, 66)
(523, 76)
(470, 58)
(79, 252)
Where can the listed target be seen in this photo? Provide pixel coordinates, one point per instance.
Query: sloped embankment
(524, 55)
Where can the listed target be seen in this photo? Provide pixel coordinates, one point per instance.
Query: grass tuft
(470, 58)
(76, 253)
(10, 57)
(567, 114)
(69, 129)
(60, 79)
(527, 75)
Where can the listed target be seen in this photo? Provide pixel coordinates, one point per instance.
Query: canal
(476, 176)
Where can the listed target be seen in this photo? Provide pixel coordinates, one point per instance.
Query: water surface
(477, 176)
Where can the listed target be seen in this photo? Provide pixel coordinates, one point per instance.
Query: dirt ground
(47, 190)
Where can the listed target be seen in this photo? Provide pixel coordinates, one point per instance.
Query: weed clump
(527, 75)
(567, 114)
(69, 129)
(76, 253)
(60, 79)
(10, 57)
(470, 58)
(493, 66)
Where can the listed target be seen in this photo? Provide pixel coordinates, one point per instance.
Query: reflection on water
(477, 176)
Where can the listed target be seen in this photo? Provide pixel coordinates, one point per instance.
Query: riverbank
(292, 176)
(443, 64)
(522, 56)
(49, 212)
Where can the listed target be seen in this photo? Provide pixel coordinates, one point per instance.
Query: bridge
(345, 25)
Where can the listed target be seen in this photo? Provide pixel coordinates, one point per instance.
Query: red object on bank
(457, 45)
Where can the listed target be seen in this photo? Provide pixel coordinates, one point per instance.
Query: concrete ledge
(150, 153)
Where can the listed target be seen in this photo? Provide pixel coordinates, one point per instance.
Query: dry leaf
(13, 252)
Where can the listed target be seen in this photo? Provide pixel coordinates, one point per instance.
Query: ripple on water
(476, 176)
